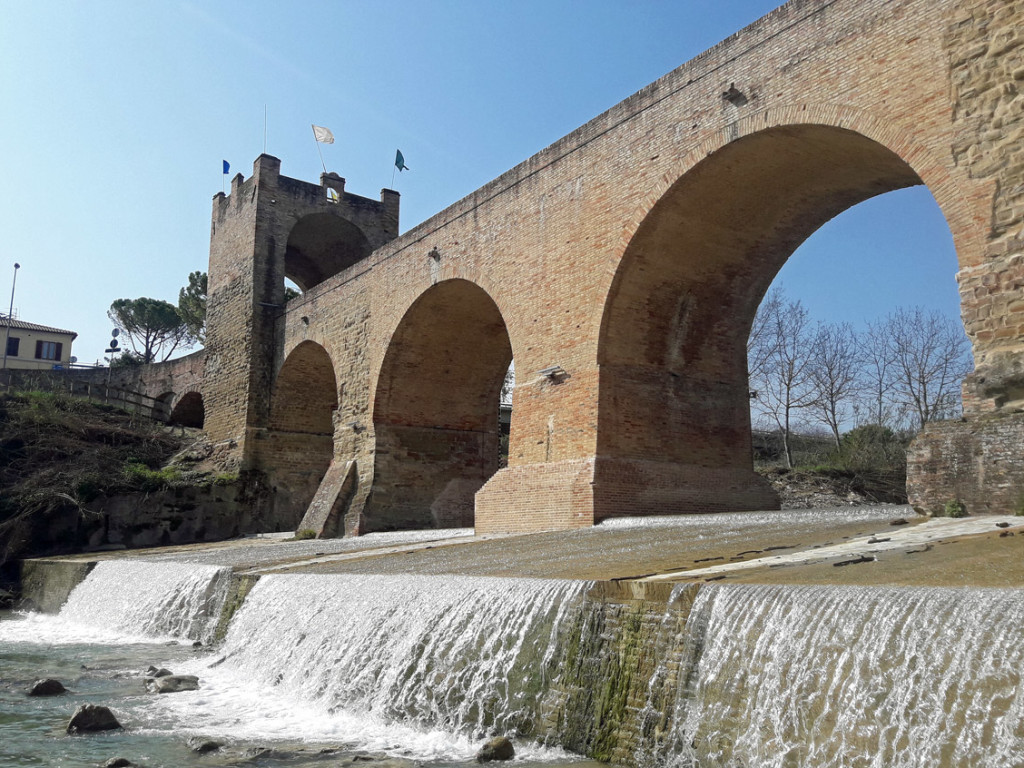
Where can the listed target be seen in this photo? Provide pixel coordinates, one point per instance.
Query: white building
(35, 347)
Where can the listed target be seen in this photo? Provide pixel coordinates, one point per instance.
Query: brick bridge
(621, 267)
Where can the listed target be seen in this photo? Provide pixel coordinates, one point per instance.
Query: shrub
(953, 508)
(872, 446)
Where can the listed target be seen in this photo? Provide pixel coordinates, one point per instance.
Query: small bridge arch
(188, 410)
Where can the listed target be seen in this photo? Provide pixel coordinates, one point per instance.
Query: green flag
(400, 161)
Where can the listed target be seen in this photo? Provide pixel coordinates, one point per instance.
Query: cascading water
(470, 656)
(141, 598)
(424, 666)
(849, 676)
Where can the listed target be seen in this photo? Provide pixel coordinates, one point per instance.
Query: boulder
(202, 746)
(118, 762)
(172, 683)
(47, 687)
(89, 718)
(154, 672)
(498, 748)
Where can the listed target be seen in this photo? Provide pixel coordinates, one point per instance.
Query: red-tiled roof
(23, 326)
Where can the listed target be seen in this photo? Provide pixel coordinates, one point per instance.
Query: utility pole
(10, 315)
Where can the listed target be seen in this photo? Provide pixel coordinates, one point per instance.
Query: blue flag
(400, 161)
(226, 166)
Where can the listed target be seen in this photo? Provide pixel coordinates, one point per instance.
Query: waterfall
(699, 676)
(850, 676)
(152, 599)
(466, 655)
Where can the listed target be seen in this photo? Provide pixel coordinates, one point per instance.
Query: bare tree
(782, 380)
(508, 384)
(930, 357)
(762, 341)
(834, 372)
(877, 371)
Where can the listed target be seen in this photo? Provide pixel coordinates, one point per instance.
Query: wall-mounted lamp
(735, 96)
(434, 254)
(305, 320)
(554, 373)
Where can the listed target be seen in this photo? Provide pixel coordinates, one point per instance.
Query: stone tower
(271, 227)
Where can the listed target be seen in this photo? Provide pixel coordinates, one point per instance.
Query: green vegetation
(871, 461)
(952, 508)
(153, 327)
(192, 306)
(59, 453)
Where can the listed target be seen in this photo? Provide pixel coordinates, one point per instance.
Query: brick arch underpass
(631, 254)
(299, 442)
(435, 416)
(187, 410)
(674, 413)
(321, 245)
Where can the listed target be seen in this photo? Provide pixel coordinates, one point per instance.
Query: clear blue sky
(115, 117)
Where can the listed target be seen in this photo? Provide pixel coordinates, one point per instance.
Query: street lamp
(10, 315)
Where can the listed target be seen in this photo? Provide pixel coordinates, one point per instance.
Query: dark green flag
(400, 161)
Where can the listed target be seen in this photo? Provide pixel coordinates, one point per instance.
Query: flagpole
(317, 142)
(264, 129)
(395, 168)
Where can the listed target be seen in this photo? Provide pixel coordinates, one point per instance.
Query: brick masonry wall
(633, 253)
(976, 462)
(986, 50)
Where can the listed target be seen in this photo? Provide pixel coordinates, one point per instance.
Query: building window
(12, 346)
(48, 350)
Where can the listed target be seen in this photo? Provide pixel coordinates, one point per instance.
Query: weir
(635, 673)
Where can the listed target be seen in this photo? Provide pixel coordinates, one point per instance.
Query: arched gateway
(623, 264)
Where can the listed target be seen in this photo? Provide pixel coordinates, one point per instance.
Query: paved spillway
(880, 544)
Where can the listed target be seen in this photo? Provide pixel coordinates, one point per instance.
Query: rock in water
(498, 748)
(172, 683)
(118, 762)
(89, 718)
(47, 687)
(202, 746)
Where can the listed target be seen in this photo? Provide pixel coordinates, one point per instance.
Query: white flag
(323, 135)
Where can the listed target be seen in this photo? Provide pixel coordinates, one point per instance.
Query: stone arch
(959, 203)
(673, 419)
(436, 409)
(321, 245)
(300, 434)
(188, 411)
(305, 394)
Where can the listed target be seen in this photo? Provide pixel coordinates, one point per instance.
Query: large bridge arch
(299, 442)
(673, 418)
(435, 411)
